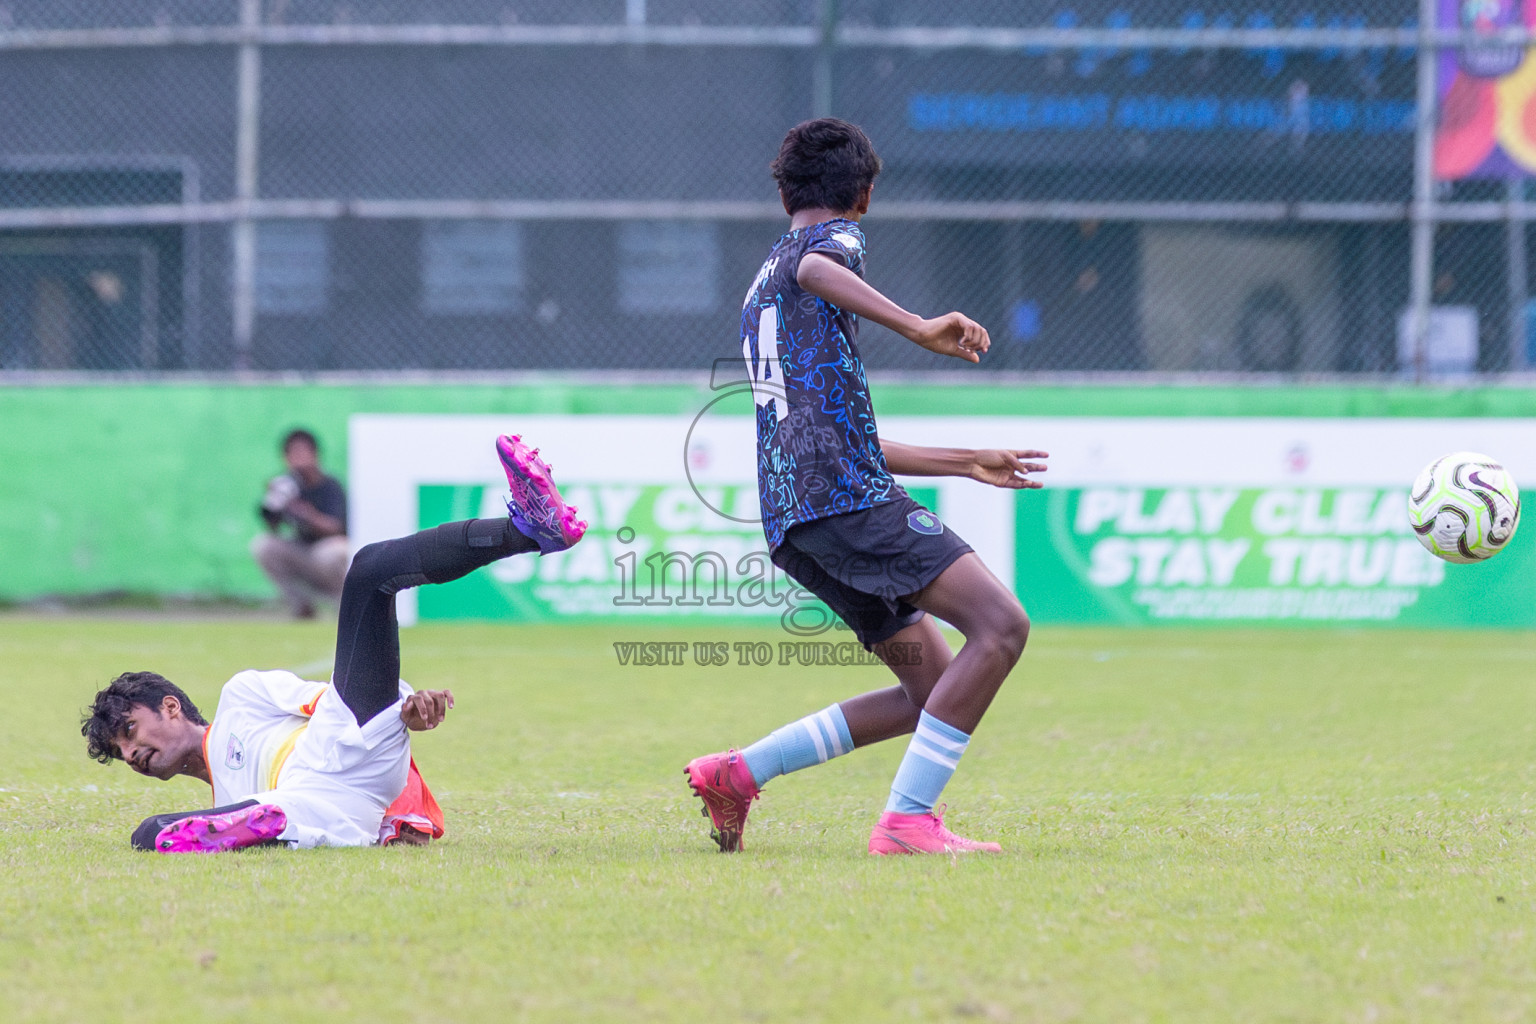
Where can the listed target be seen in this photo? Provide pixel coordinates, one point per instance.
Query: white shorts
(340, 778)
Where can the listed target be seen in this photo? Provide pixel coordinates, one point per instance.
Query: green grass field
(1199, 826)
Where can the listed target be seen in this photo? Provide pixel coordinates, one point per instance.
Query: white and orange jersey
(281, 739)
(260, 717)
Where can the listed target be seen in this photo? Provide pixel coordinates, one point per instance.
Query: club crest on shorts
(924, 522)
(234, 754)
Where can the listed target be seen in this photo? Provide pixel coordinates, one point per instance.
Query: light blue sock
(931, 759)
(810, 741)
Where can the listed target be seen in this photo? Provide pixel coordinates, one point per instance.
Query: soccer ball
(1464, 507)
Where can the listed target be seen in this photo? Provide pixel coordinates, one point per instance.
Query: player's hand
(1005, 467)
(426, 709)
(953, 334)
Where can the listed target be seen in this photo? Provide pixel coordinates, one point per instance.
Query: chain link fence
(1171, 186)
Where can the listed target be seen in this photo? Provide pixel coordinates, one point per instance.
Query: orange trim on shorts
(416, 800)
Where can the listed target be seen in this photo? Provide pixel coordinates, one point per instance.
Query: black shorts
(865, 564)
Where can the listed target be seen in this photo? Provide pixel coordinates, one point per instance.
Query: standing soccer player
(842, 528)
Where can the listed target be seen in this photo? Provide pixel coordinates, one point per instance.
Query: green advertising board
(149, 487)
(1263, 521)
(1148, 556)
(1130, 556)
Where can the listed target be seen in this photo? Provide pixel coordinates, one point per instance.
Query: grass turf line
(1260, 826)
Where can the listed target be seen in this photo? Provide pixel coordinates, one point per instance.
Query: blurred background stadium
(1247, 266)
(223, 218)
(318, 185)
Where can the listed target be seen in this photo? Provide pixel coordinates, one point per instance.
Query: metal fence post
(821, 78)
(1422, 257)
(247, 154)
(1515, 269)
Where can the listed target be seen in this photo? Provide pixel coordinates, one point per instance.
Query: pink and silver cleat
(921, 833)
(217, 833)
(725, 784)
(536, 508)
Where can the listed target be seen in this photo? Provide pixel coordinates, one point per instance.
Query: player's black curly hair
(107, 717)
(826, 163)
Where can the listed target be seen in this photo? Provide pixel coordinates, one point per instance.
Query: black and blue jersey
(818, 453)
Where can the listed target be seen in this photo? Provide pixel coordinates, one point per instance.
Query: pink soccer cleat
(536, 508)
(921, 833)
(217, 833)
(725, 784)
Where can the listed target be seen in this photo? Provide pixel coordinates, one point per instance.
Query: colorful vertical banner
(1486, 93)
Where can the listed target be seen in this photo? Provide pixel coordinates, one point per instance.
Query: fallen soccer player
(311, 764)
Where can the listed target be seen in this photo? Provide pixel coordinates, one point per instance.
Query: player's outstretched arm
(1000, 467)
(426, 709)
(952, 334)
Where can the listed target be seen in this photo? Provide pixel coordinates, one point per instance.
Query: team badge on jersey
(847, 241)
(924, 522)
(234, 754)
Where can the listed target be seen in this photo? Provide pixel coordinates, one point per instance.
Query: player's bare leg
(967, 596)
(918, 655)
(971, 599)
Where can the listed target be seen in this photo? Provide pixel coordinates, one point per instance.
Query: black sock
(367, 673)
(457, 549)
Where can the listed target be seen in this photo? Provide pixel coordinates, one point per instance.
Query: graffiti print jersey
(818, 453)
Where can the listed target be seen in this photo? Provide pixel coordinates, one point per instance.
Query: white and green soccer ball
(1464, 507)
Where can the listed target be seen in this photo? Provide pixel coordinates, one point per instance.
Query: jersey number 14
(765, 372)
